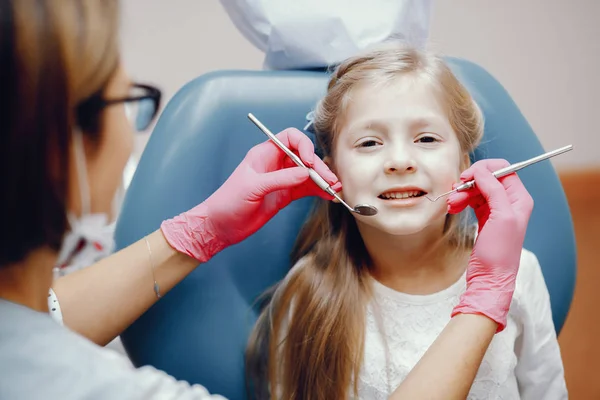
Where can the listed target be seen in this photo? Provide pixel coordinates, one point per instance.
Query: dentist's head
(68, 116)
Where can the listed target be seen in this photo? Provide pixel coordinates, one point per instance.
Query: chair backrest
(198, 331)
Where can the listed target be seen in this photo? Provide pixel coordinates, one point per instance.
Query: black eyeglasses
(141, 108)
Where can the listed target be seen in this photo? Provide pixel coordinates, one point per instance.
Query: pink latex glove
(503, 208)
(266, 181)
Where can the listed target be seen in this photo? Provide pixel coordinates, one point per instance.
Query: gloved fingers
(458, 201)
(295, 179)
(491, 164)
(322, 169)
(300, 144)
(475, 197)
(517, 193)
(286, 178)
(288, 163)
(267, 156)
(519, 197)
(492, 190)
(512, 183)
(482, 213)
(311, 189)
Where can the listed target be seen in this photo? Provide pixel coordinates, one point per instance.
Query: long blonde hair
(314, 350)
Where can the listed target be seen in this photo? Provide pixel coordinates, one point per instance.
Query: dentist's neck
(415, 264)
(27, 282)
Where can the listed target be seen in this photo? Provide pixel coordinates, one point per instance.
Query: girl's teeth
(400, 195)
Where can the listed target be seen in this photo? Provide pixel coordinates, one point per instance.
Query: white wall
(546, 53)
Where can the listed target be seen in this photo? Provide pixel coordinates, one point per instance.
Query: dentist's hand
(265, 182)
(503, 208)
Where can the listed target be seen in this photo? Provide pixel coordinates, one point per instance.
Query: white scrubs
(41, 359)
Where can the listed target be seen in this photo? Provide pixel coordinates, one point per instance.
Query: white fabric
(316, 34)
(41, 359)
(54, 307)
(522, 362)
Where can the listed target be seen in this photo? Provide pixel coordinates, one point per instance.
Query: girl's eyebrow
(375, 125)
(425, 120)
(369, 124)
(416, 122)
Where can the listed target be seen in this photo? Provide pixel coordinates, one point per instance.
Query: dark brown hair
(53, 56)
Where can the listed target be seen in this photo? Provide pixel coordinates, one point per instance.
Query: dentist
(67, 119)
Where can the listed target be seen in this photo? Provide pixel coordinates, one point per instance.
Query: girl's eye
(427, 139)
(368, 143)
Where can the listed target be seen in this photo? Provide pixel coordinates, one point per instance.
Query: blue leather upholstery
(198, 331)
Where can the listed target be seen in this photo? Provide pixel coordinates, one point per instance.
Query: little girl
(368, 295)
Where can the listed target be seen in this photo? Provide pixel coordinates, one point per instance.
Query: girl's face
(395, 145)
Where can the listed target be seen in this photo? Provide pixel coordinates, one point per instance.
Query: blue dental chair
(198, 331)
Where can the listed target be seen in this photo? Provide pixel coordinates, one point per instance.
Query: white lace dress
(522, 362)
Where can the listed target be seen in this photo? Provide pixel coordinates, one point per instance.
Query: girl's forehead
(402, 104)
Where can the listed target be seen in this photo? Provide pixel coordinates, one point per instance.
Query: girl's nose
(400, 160)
